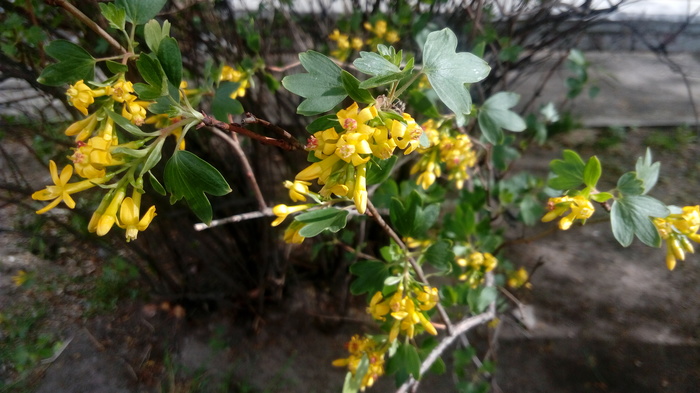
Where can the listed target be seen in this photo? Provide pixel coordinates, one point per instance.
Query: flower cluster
(97, 151)
(475, 266)
(519, 278)
(678, 230)
(237, 75)
(381, 33)
(364, 347)
(406, 310)
(344, 45)
(455, 153)
(343, 153)
(579, 208)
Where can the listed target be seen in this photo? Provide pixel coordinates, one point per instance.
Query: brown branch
(250, 176)
(239, 129)
(252, 119)
(88, 22)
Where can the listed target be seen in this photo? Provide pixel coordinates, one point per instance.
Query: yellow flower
(291, 234)
(351, 147)
(581, 208)
(428, 297)
(80, 96)
(518, 278)
(391, 37)
(82, 128)
(231, 74)
(359, 348)
(378, 309)
(91, 158)
(678, 230)
(352, 119)
(360, 194)
(282, 211)
(298, 190)
(20, 278)
(62, 190)
(129, 216)
(135, 111)
(122, 91)
(108, 218)
(356, 43)
(318, 170)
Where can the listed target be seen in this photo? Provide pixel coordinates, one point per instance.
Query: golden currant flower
(231, 74)
(129, 216)
(298, 190)
(82, 129)
(359, 348)
(291, 234)
(282, 211)
(108, 218)
(122, 91)
(580, 208)
(80, 96)
(62, 190)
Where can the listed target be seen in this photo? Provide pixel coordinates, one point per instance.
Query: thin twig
(88, 22)
(235, 218)
(414, 264)
(460, 328)
(252, 119)
(250, 176)
(239, 129)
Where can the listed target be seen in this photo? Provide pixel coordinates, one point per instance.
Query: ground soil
(599, 318)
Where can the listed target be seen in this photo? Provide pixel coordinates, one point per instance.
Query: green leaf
(480, 298)
(496, 115)
(354, 382)
(647, 171)
(321, 86)
(629, 184)
(569, 171)
(126, 125)
(171, 60)
(222, 105)
(188, 176)
(154, 157)
(74, 64)
(405, 360)
(440, 255)
(422, 104)
(323, 123)
(601, 197)
(592, 172)
(352, 87)
(116, 16)
(317, 221)
(380, 80)
(379, 171)
(375, 64)
(139, 11)
(153, 33)
(410, 218)
(530, 209)
(461, 223)
(151, 71)
(116, 68)
(148, 92)
(370, 276)
(630, 216)
(449, 71)
(156, 184)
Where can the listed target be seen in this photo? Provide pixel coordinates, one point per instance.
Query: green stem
(409, 83)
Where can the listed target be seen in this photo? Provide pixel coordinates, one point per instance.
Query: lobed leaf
(188, 176)
(449, 71)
